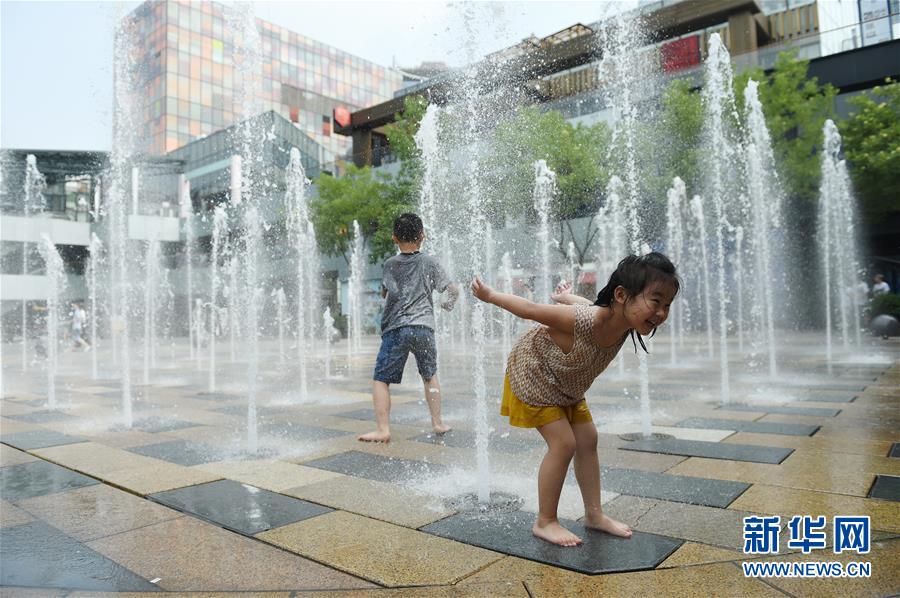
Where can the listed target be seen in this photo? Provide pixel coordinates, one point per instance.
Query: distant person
(79, 319)
(552, 365)
(880, 287)
(407, 324)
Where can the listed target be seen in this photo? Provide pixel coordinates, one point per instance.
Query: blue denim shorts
(396, 345)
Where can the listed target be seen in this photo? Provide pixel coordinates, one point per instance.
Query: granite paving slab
(822, 397)
(12, 456)
(377, 467)
(886, 487)
(713, 450)
(37, 478)
(41, 417)
(300, 431)
(96, 511)
(466, 439)
(38, 439)
(182, 452)
(387, 554)
(11, 515)
(38, 555)
(895, 450)
(269, 474)
(239, 507)
(676, 488)
(189, 555)
(815, 411)
(749, 426)
(378, 500)
(510, 533)
(158, 424)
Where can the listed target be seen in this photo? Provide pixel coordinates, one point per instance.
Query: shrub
(887, 303)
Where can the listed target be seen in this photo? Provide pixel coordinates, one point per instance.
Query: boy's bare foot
(440, 428)
(376, 436)
(554, 533)
(608, 525)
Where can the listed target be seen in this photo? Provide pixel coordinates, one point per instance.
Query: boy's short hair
(408, 228)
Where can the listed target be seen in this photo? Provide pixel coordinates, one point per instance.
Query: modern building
(187, 58)
(852, 44)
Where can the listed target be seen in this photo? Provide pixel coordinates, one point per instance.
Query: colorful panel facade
(188, 71)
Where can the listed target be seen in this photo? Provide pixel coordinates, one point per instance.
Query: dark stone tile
(895, 450)
(241, 410)
(300, 431)
(510, 533)
(711, 450)
(466, 439)
(37, 478)
(181, 452)
(814, 411)
(745, 426)
(38, 555)
(674, 488)
(823, 397)
(158, 424)
(398, 415)
(886, 487)
(35, 439)
(40, 417)
(241, 508)
(377, 467)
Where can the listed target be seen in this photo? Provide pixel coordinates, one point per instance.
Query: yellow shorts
(522, 415)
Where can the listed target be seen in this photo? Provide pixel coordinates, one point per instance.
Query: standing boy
(407, 324)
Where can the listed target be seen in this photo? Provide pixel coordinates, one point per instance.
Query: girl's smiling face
(649, 309)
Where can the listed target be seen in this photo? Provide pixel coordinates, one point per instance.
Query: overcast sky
(56, 71)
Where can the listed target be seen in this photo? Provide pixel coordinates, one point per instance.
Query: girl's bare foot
(608, 525)
(376, 436)
(440, 428)
(554, 533)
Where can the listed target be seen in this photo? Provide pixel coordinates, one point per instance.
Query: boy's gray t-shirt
(409, 279)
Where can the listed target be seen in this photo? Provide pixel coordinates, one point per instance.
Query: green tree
(682, 123)
(372, 199)
(871, 139)
(573, 152)
(365, 196)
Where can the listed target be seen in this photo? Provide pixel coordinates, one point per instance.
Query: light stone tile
(93, 459)
(500, 589)
(14, 426)
(96, 511)
(813, 474)
(379, 500)
(189, 554)
(13, 456)
(387, 554)
(884, 581)
(693, 553)
(11, 515)
(788, 502)
(158, 477)
(708, 525)
(718, 579)
(832, 444)
(268, 474)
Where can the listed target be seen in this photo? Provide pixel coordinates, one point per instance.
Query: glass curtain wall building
(187, 68)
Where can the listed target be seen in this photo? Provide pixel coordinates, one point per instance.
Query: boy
(408, 324)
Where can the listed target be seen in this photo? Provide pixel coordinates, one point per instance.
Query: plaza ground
(175, 503)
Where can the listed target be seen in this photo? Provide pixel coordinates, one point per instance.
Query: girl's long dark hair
(635, 274)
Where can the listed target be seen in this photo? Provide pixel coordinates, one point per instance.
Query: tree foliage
(573, 152)
(372, 199)
(871, 139)
(365, 196)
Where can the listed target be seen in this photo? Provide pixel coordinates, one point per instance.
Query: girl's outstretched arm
(560, 317)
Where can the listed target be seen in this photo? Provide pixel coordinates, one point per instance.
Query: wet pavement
(176, 503)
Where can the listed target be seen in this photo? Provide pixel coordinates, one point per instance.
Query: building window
(326, 126)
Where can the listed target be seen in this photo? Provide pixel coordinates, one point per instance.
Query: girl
(551, 367)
